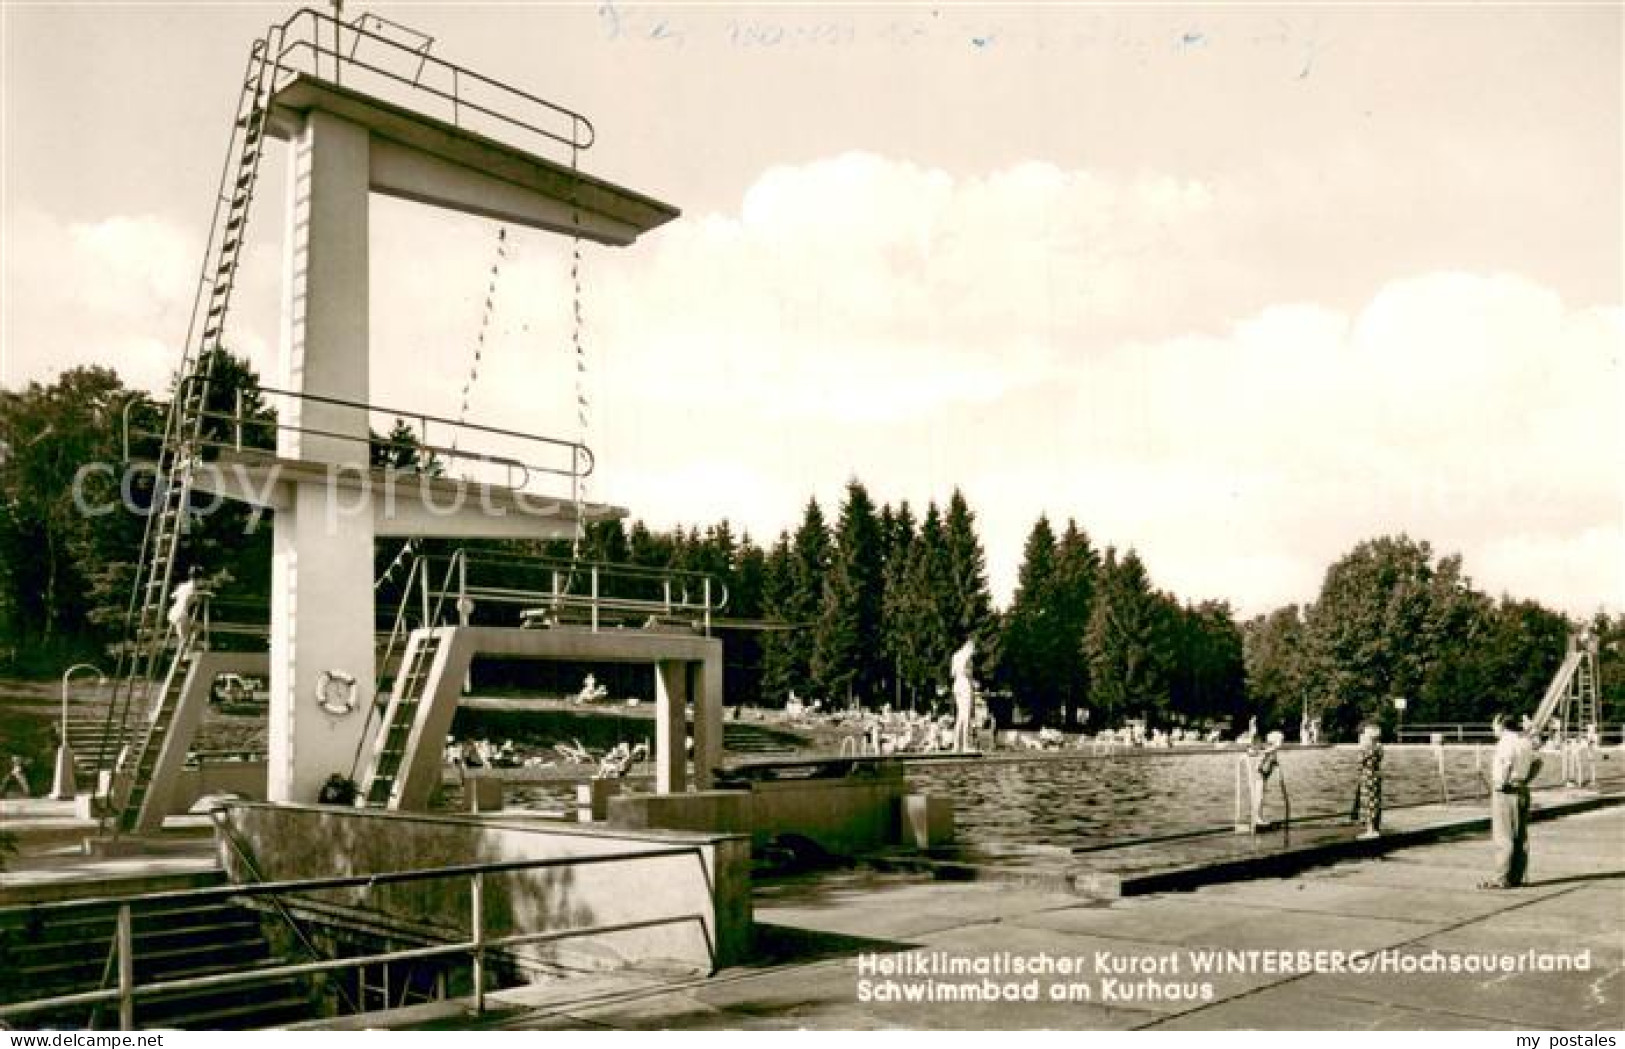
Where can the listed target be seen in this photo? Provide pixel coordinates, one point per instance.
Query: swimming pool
(1081, 802)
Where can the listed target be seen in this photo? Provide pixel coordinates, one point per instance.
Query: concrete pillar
(671, 719)
(707, 720)
(321, 570)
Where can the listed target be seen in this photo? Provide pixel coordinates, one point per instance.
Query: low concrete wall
(705, 891)
(244, 778)
(844, 816)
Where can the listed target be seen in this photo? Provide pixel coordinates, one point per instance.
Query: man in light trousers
(1515, 764)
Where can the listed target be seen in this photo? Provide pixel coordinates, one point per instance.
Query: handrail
(476, 946)
(580, 136)
(125, 994)
(351, 881)
(582, 460)
(235, 841)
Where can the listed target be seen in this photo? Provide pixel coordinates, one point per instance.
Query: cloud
(1040, 336)
(115, 291)
(111, 292)
(861, 316)
(858, 288)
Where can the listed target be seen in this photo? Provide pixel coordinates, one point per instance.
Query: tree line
(859, 607)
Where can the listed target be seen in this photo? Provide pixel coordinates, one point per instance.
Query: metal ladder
(395, 730)
(146, 633)
(1579, 707)
(1570, 703)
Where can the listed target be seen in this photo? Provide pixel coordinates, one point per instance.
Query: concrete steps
(44, 954)
(741, 737)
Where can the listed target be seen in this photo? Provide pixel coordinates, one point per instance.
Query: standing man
(1515, 764)
(964, 693)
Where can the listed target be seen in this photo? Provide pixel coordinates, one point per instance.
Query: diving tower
(363, 111)
(344, 145)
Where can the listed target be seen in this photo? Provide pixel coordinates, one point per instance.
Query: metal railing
(126, 990)
(543, 588)
(366, 51)
(435, 446)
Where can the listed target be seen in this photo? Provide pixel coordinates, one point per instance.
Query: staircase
(741, 738)
(70, 954)
(146, 648)
(396, 729)
(133, 779)
(85, 737)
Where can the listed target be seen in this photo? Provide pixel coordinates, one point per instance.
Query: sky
(1236, 286)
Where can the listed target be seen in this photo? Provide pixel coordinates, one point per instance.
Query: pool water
(1080, 801)
(1084, 802)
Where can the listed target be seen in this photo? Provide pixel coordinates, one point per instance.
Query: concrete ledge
(27, 893)
(694, 905)
(1112, 873)
(843, 816)
(1291, 861)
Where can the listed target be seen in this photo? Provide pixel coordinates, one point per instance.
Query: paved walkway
(1416, 907)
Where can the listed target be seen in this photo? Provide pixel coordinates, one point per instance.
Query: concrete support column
(321, 568)
(707, 720)
(671, 723)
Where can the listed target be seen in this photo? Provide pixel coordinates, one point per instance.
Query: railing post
(423, 592)
(477, 924)
(123, 945)
(1244, 819)
(706, 593)
(462, 589)
(237, 418)
(593, 575)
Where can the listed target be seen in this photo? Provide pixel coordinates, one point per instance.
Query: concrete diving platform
(398, 502)
(420, 158)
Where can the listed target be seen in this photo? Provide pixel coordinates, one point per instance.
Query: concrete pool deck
(1413, 907)
(1411, 893)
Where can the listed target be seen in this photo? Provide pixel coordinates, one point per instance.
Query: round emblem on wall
(336, 692)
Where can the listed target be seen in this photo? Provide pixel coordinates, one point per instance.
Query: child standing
(1368, 795)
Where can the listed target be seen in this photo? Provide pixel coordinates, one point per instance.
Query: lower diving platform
(404, 762)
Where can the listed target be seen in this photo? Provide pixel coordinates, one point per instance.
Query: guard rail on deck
(1480, 732)
(127, 990)
(393, 62)
(438, 447)
(547, 590)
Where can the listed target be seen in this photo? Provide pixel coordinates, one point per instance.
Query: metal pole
(423, 591)
(462, 588)
(237, 418)
(1244, 822)
(477, 884)
(64, 785)
(123, 944)
(593, 575)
